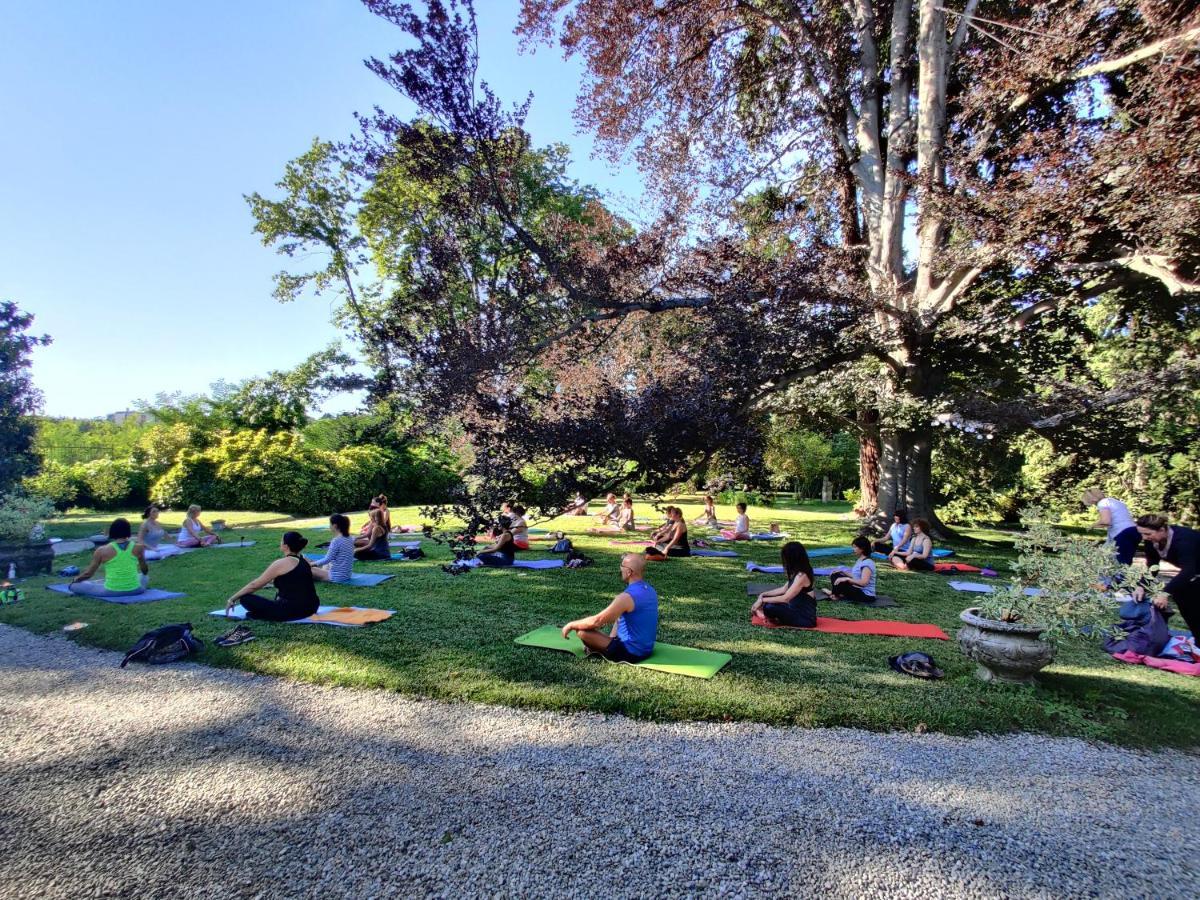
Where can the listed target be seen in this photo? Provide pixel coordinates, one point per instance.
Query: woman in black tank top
(293, 577)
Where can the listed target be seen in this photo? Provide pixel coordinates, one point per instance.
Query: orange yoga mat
(349, 615)
(882, 627)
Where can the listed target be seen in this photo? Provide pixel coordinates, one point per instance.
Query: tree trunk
(905, 478)
(868, 461)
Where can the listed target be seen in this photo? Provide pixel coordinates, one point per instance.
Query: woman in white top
(195, 533)
(741, 526)
(611, 511)
(1114, 516)
(919, 555)
(858, 583)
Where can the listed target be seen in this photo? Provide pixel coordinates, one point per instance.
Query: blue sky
(133, 129)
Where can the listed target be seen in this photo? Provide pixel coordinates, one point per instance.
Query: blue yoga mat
(364, 579)
(703, 552)
(147, 596)
(535, 564)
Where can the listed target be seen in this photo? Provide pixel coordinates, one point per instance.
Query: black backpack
(413, 553)
(170, 643)
(577, 560)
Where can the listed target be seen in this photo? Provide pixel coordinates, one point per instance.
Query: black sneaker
(239, 635)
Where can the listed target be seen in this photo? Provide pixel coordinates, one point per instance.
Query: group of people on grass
(908, 547)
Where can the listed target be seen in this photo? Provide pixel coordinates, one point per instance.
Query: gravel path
(192, 781)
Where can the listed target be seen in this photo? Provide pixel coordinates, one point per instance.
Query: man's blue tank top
(638, 629)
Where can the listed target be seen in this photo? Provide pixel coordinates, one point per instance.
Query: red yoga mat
(882, 627)
(944, 568)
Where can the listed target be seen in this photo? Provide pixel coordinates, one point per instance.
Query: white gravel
(188, 781)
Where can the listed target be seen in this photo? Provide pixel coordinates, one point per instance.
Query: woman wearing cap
(1114, 517)
(293, 577)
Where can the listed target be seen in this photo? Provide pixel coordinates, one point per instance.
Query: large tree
(788, 144)
(943, 148)
(19, 400)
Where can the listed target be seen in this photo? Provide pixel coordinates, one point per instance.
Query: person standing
(1181, 547)
(1114, 516)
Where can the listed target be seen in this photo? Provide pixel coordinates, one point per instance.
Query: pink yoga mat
(882, 627)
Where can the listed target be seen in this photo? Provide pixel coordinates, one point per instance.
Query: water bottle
(12, 571)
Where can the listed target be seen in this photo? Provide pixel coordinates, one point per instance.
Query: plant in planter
(1058, 593)
(23, 547)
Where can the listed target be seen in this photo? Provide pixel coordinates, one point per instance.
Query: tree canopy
(890, 213)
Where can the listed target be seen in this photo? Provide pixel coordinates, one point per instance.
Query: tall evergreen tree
(19, 400)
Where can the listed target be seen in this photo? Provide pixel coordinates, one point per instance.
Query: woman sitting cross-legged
(673, 541)
(794, 603)
(899, 534)
(372, 542)
(124, 560)
(919, 555)
(708, 518)
(295, 593)
(741, 526)
(195, 533)
(501, 551)
(151, 534)
(858, 584)
(338, 561)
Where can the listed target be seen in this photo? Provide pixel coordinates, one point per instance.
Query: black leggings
(882, 546)
(920, 565)
(800, 612)
(846, 589)
(365, 553)
(674, 551)
(495, 560)
(278, 610)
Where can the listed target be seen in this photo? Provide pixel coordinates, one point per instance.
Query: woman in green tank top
(124, 561)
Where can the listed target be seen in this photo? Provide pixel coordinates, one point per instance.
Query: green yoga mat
(665, 658)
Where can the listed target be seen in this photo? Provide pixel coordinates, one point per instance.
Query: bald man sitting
(633, 615)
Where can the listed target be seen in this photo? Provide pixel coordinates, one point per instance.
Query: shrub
(110, 484)
(259, 470)
(56, 483)
(1069, 571)
(749, 497)
(21, 514)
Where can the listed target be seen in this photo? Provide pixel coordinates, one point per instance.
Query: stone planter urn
(29, 557)
(1007, 652)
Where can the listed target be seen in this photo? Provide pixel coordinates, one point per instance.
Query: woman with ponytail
(295, 593)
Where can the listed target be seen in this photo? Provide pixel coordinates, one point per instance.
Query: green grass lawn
(452, 638)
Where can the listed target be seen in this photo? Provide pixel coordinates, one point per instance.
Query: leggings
(846, 589)
(97, 588)
(674, 551)
(278, 610)
(799, 613)
(207, 541)
(367, 553)
(495, 560)
(920, 565)
(1127, 544)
